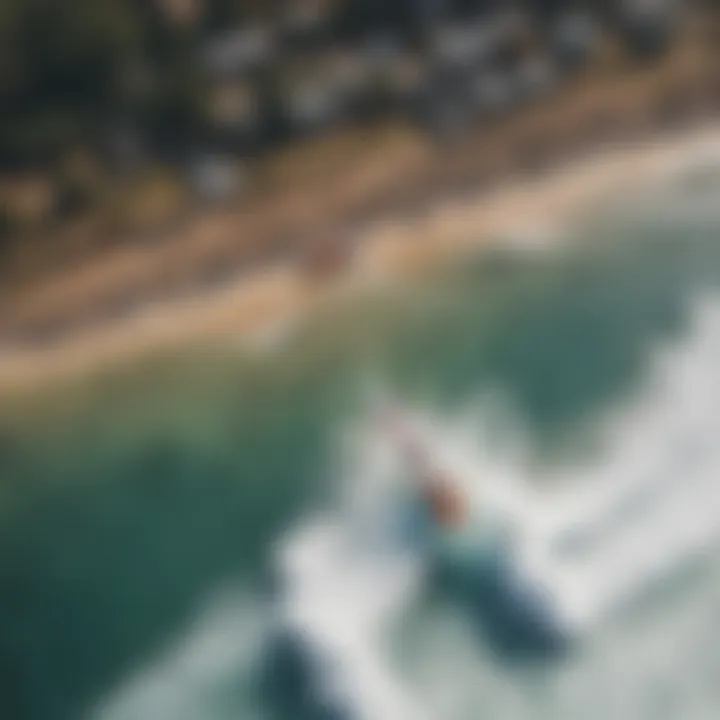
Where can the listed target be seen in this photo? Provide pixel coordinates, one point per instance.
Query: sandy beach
(534, 212)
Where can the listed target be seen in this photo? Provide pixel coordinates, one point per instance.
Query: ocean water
(143, 510)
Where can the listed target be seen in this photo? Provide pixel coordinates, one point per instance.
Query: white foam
(654, 500)
(340, 595)
(647, 504)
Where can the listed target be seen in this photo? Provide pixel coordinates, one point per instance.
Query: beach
(399, 204)
(530, 212)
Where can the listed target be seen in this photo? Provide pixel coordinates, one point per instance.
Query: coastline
(530, 212)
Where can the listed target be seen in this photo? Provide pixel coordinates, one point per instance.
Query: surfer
(473, 551)
(446, 503)
(441, 494)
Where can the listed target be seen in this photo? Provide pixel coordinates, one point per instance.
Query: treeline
(114, 84)
(74, 71)
(71, 68)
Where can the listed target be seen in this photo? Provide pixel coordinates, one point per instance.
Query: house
(239, 52)
(648, 26)
(575, 37)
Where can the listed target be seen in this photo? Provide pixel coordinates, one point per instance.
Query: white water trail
(595, 535)
(653, 502)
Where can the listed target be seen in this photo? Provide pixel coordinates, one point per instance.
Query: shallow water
(139, 509)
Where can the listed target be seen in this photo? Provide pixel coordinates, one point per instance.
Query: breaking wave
(597, 535)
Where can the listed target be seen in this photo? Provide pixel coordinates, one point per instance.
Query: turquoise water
(130, 499)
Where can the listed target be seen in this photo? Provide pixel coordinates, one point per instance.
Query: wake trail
(601, 534)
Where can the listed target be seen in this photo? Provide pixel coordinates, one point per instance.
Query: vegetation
(92, 89)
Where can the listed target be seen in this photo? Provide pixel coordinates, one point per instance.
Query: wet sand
(534, 212)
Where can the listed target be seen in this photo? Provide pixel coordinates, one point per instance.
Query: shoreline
(529, 212)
